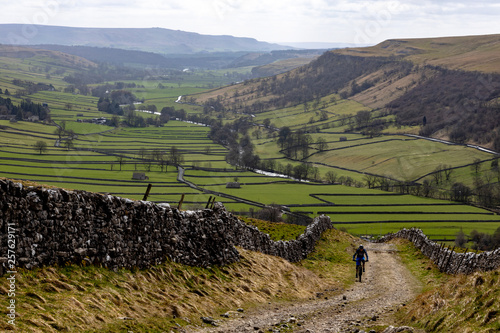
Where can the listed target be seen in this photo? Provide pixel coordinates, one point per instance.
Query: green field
(103, 159)
(92, 165)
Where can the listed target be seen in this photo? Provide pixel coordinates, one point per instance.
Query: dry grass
(387, 89)
(462, 304)
(95, 299)
(451, 303)
(473, 53)
(92, 299)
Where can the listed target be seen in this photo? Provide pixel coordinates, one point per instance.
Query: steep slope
(471, 53)
(151, 39)
(453, 83)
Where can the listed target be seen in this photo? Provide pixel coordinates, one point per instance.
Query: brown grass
(472, 53)
(451, 303)
(95, 299)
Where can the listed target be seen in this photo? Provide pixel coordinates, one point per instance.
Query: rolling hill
(470, 53)
(47, 56)
(453, 83)
(156, 40)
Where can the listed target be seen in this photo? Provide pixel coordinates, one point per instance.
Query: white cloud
(277, 20)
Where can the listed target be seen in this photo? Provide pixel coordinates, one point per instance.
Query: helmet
(361, 246)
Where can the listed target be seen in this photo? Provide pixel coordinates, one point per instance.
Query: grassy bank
(93, 299)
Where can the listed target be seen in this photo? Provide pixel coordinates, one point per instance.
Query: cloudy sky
(357, 21)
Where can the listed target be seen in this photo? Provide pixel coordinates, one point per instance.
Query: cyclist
(360, 255)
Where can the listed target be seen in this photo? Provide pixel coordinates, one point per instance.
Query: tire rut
(386, 285)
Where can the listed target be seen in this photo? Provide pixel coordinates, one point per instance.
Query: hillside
(453, 83)
(212, 60)
(157, 40)
(256, 292)
(54, 58)
(470, 53)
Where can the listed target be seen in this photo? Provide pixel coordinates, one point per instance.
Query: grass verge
(450, 303)
(164, 297)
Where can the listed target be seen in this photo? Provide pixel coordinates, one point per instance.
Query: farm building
(139, 176)
(233, 185)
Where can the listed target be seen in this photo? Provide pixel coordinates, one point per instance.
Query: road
(387, 285)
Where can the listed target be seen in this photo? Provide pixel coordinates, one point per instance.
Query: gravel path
(386, 285)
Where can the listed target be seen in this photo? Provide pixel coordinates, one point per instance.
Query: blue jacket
(360, 254)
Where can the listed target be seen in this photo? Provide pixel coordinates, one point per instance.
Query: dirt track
(386, 285)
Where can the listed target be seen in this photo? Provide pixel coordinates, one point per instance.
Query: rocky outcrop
(57, 226)
(447, 260)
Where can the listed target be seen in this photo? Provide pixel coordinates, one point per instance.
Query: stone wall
(447, 260)
(56, 226)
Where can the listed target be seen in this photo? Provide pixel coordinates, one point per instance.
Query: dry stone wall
(447, 260)
(56, 226)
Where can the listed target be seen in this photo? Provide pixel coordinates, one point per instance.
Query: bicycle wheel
(360, 272)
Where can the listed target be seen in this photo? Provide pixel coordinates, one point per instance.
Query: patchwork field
(103, 159)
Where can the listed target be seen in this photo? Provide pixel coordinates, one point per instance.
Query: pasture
(103, 159)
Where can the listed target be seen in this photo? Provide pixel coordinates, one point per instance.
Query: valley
(344, 149)
(398, 135)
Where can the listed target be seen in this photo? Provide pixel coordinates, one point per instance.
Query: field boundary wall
(46, 227)
(446, 259)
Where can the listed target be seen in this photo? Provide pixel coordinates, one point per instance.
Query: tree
(458, 135)
(447, 172)
(324, 115)
(476, 166)
(322, 145)
(257, 134)
(460, 239)
(427, 189)
(438, 174)
(175, 157)
(460, 192)
(162, 161)
(68, 143)
(60, 130)
(331, 176)
(120, 161)
(363, 118)
(315, 174)
(142, 152)
(283, 135)
(115, 121)
(40, 146)
(370, 180)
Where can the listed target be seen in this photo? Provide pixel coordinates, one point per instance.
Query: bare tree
(175, 157)
(40, 146)
(447, 172)
(69, 143)
(120, 161)
(322, 145)
(460, 239)
(370, 180)
(331, 176)
(476, 166)
(437, 175)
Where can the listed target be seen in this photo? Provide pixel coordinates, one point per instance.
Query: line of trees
(24, 110)
(482, 241)
(161, 158)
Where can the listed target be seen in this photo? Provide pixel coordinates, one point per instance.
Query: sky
(279, 21)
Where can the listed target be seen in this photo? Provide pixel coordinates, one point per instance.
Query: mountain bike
(359, 268)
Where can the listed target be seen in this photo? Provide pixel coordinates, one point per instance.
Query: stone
(59, 227)
(209, 320)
